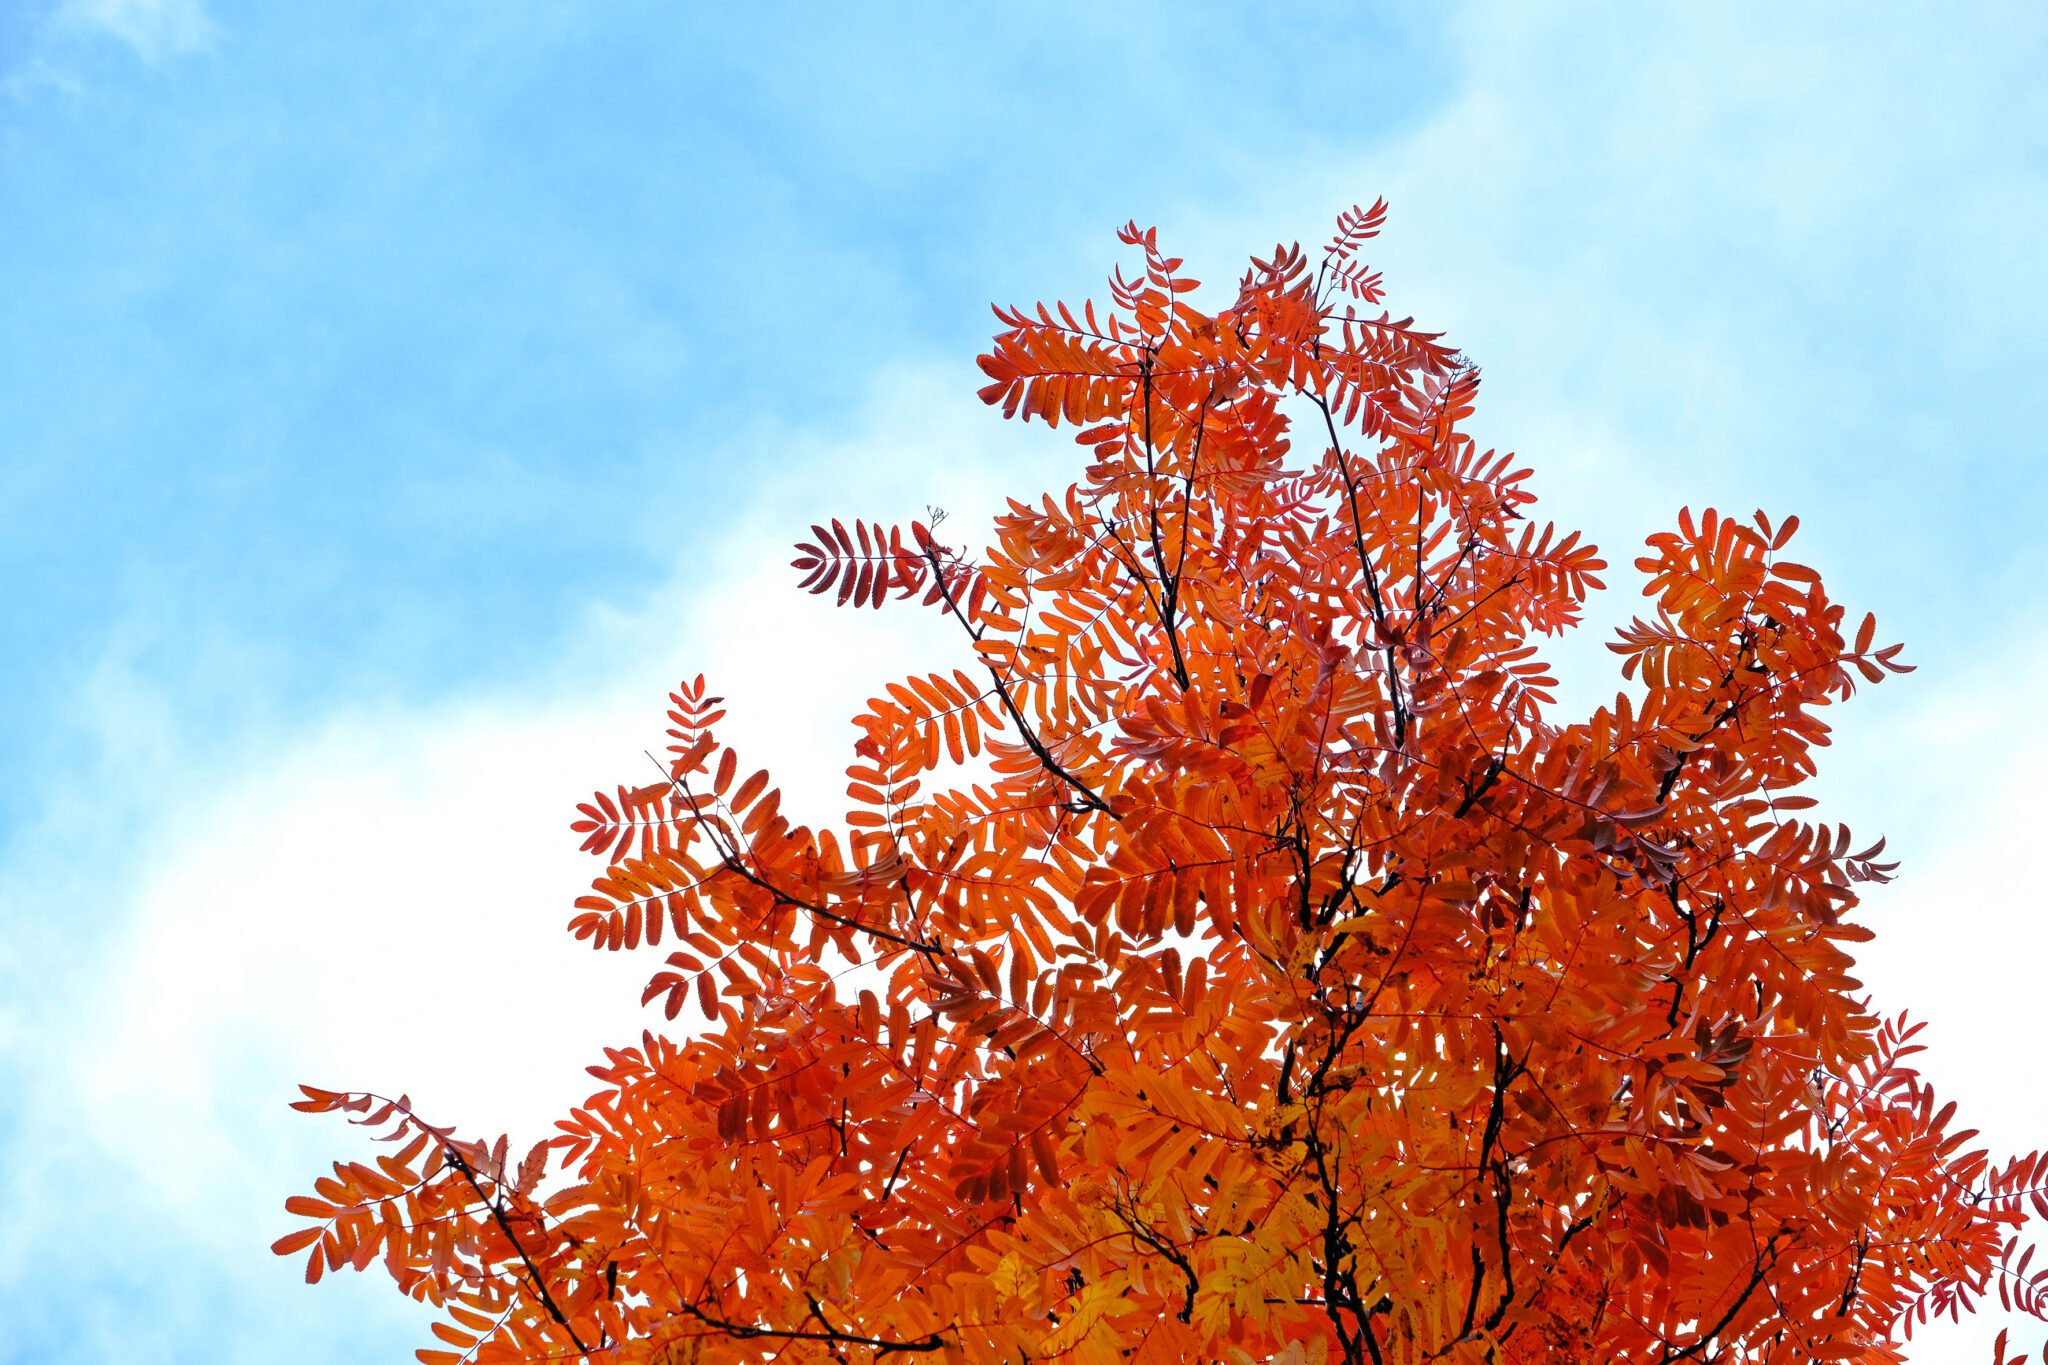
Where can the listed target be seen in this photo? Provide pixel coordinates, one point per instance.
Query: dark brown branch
(1747, 645)
(881, 1346)
(540, 1286)
(1765, 1260)
(731, 858)
(1169, 584)
(1174, 1255)
(1372, 584)
(1052, 765)
(1478, 789)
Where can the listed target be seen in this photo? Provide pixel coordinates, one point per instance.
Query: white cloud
(382, 902)
(39, 73)
(379, 901)
(157, 30)
(1955, 777)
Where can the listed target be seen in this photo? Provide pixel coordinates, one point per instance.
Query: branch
(729, 857)
(1756, 1279)
(1372, 583)
(1031, 740)
(540, 1286)
(882, 1346)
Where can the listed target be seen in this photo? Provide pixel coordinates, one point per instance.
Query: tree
(1233, 959)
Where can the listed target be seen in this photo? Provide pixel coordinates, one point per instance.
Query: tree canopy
(1235, 957)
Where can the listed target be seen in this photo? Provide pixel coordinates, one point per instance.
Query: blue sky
(394, 398)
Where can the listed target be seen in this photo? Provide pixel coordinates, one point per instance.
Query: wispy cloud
(157, 30)
(39, 73)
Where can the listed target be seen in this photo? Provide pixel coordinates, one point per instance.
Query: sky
(396, 399)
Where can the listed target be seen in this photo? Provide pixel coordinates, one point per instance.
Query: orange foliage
(1256, 969)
